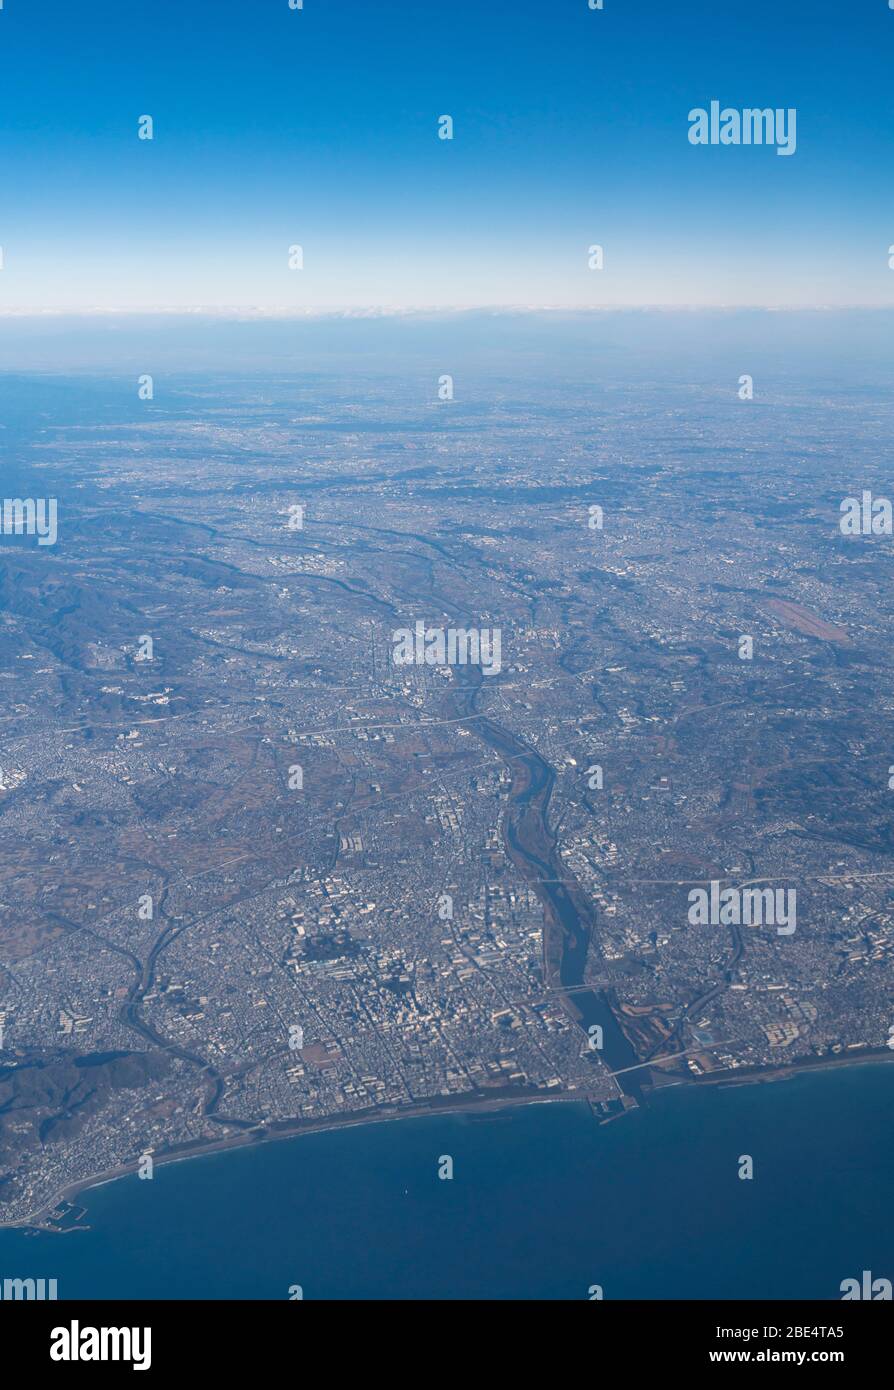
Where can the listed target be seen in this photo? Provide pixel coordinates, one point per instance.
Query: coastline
(481, 1104)
(40, 1218)
(753, 1076)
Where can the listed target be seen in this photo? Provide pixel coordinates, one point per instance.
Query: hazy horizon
(701, 345)
(320, 128)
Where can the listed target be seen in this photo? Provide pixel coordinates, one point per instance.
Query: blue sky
(319, 127)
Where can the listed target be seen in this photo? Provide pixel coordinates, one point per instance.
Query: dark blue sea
(544, 1203)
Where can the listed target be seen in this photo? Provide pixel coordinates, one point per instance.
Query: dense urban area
(258, 875)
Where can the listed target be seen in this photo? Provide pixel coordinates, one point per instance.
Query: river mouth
(570, 916)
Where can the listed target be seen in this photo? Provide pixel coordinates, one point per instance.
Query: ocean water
(543, 1203)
